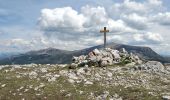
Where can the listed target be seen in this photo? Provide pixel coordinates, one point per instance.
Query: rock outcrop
(152, 66)
(105, 57)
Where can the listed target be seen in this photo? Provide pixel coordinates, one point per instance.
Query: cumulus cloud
(94, 16)
(162, 18)
(69, 22)
(136, 21)
(59, 18)
(65, 25)
(132, 6)
(118, 26)
(148, 38)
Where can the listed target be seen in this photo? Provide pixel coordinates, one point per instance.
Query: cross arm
(102, 31)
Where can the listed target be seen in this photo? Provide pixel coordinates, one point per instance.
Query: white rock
(56, 75)
(68, 95)
(166, 97)
(41, 85)
(153, 66)
(94, 58)
(86, 66)
(63, 65)
(109, 74)
(3, 85)
(33, 74)
(123, 50)
(98, 58)
(130, 64)
(72, 76)
(63, 72)
(26, 90)
(104, 63)
(88, 83)
(52, 79)
(81, 92)
(17, 66)
(43, 70)
(75, 58)
(71, 81)
(91, 54)
(96, 52)
(97, 75)
(74, 65)
(36, 88)
(115, 53)
(80, 71)
(18, 76)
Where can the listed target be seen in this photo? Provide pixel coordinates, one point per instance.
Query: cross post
(104, 31)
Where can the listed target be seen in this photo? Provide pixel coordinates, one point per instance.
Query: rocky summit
(105, 57)
(105, 74)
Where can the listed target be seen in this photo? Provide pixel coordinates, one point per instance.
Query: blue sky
(74, 24)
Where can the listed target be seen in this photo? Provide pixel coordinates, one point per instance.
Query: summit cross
(104, 31)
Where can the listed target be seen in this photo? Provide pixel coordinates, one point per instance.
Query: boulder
(135, 58)
(91, 54)
(103, 63)
(115, 54)
(166, 97)
(153, 66)
(75, 59)
(73, 66)
(123, 50)
(96, 52)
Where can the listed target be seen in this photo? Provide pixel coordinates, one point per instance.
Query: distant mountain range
(57, 56)
(7, 54)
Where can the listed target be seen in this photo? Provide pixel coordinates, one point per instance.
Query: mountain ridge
(57, 56)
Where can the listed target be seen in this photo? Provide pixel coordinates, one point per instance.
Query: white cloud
(132, 6)
(73, 25)
(162, 18)
(148, 38)
(136, 21)
(138, 37)
(154, 37)
(68, 27)
(118, 26)
(18, 42)
(94, 16)
(155, 2)
(59, 18)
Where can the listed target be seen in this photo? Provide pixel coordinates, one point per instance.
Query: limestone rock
(96, 51)
(105, 57)
(73, 65)
(153, 66)
(166, 97)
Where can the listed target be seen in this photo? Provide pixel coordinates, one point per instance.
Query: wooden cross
(104, 31)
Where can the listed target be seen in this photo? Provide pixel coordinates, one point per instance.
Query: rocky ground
(149, 81)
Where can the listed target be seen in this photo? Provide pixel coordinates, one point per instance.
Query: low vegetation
(57, 82)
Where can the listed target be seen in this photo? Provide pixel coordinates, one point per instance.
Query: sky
(75, 24)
